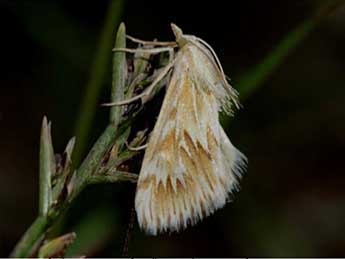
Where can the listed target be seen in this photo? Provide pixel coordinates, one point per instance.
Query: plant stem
(113, 177)
(92, 161)
(81, 177)
(33, 235)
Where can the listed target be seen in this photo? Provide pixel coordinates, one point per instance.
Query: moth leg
(150, 51)
(148, 90)
(171, 55)
(153, 43)
(138, 148)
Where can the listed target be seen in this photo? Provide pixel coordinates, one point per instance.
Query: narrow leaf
(47, 168)
(119, 75)
(251, 81)
(69, 149)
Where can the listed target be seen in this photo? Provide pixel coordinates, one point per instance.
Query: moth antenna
(182, 39)
(153, 43)
(148, 90)
(208, 46)
(149, 51)
(234, 93)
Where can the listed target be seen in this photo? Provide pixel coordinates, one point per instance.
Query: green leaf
(119, 75)
(47, 168)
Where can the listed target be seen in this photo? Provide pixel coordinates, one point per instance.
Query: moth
(190, 167)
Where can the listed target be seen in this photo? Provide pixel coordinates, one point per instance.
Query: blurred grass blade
(57, 246)
(47, 168)
(53, 29)
(94, 231)
(97, 75)
(119, 75)
(251, 81)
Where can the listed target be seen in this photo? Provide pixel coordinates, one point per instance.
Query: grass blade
(47, 168)
(252, 80)
(119, 75)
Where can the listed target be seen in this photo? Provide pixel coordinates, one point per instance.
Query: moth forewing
(190, 167)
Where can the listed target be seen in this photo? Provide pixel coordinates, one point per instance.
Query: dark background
(292, 127)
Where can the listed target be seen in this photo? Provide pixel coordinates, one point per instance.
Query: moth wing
(190, 166)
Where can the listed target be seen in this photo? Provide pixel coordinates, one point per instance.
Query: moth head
(180, 38)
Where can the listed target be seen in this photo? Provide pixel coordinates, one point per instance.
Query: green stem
(92, 161)
(80, 179)
(33, 235)
(113, 177)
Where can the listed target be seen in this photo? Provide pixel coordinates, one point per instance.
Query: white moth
(190, 167)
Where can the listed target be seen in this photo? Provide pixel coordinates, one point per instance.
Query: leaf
(119, 75)
(47, 168)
